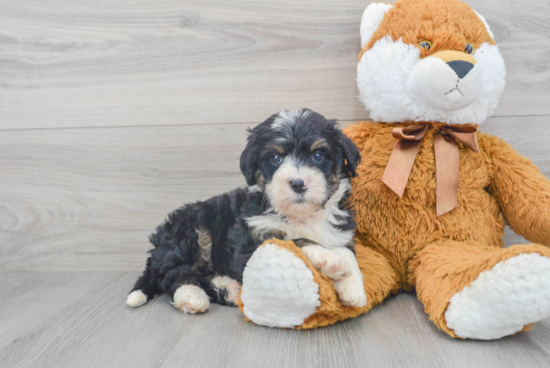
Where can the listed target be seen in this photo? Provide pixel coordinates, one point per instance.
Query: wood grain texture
(72, 199)
(172, 62)
(89, 325)
(113, 113)
(86, 199)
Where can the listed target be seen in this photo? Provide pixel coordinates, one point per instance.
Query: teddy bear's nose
(460, 67)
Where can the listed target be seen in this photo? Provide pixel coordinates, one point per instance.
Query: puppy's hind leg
(144, 289)
(223, 290)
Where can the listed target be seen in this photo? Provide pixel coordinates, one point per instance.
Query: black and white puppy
(298, 166)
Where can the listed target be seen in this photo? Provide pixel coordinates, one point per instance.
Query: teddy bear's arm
(523, 192)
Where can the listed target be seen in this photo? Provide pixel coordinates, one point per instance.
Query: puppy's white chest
(311, 229)
(317, 228)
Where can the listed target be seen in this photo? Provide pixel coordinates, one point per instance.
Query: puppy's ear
(249, 158)
(351, 153)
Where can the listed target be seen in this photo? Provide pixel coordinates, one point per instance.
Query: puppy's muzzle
(298, 185)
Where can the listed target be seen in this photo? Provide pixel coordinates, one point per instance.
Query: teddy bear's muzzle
(447, 80)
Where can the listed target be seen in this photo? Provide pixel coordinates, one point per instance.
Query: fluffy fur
(470, 285)
(298, 167)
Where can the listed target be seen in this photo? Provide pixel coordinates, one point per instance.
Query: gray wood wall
(114, 112)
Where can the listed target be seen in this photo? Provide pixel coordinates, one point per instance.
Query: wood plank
(26, 299)
(97, 329)
(86, 199)
(168, 62)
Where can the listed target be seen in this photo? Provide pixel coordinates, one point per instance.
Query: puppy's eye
(469, 48)
(425, 45)
(317, 157)
(276, 159)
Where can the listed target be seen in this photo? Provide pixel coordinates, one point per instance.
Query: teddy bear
(432, 195)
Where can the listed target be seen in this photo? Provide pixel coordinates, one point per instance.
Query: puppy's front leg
(330, 264)
(340, 265)
(350, 288)
(325, 260)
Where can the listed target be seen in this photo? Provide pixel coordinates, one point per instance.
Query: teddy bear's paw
(331, 264)
(502, 300)
(278, 288)
(191, 299)
(351, 291)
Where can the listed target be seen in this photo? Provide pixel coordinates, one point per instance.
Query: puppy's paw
(328, 262)
(226, 285)
(351, 291)
(136, 299)
(191, 299)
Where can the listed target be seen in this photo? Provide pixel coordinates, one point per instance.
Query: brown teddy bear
(432, 194)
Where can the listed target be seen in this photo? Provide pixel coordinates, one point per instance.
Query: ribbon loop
(411, 132)
(446, 153)
(463, 134)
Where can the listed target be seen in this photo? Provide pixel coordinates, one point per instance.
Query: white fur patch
(372, 17)
(278, 288)
(191, 299)
(340, 265)
(284, 200)
(136, 299)
(500, 301)
(314, 225)
(327, 261)
(230, 285)
(351, 289)
(289, 118)
(254, 189)
(351, 292)
(383, 75)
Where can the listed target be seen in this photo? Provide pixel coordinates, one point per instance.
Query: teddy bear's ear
(372, 17)
(482, 18)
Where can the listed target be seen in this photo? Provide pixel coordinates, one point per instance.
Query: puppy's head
(298, 159)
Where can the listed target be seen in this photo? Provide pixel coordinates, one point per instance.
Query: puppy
(298, 166)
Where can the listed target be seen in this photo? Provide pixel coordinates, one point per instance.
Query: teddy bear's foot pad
(502, 300)
(278, 288)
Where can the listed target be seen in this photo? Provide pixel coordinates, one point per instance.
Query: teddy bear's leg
(281, 288)
(481, 292)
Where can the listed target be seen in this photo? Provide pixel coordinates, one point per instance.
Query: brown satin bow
(404, 153)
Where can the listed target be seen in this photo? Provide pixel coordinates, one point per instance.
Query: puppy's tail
(144, 290)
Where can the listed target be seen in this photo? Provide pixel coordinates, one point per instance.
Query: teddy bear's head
(428, 60)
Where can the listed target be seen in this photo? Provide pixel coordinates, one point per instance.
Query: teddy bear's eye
(425, 45)
(469, 48)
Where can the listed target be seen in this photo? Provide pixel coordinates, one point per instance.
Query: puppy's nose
(460, 67)
(297, 185)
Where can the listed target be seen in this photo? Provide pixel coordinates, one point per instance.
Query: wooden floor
(80, 320)
(113, 113)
